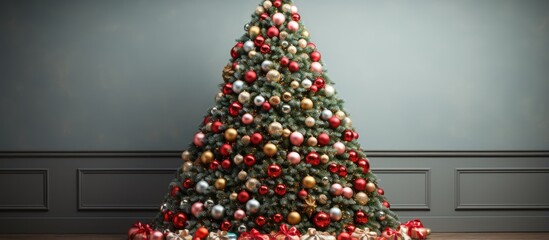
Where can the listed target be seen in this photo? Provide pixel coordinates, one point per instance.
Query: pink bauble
(279, 18)
(340, 147)
(336, 189)
(239, 214)
(296, 138)
(316, 67)
(347, 192)
(157, 235)
(293, 26)
(247, 118)
(294, 158)
(197, 208)
(199, 139)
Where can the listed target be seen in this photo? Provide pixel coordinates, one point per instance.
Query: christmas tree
(277, 156)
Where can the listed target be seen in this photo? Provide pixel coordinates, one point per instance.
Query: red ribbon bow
(146, 229)
(413, 225)
(253, 235)
(289, 232)
(389, 232)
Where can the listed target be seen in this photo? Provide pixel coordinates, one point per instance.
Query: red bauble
(274, 170)
(272, 32)
(167, 217)
(214, 165)
(277, 3)
(313, 88)
(206, 119)
(260, 221)
(350, 228)
(201, 232)
(380, 191)
(235, 108)
(296, 17)
(355, 135)
(174, 191)
(386, 204)
(333, 168)
(353, 156)
(334, 122)
(320, 83)
(266, 106)
(216, 126)
(259, 40)
(294, 66)
(360, 184)
(263, 190)
(250, 76)
(228, 88)
(264, 16)
(361, 217)
(278, 217)
(179, 220)
(280, 189)
(249, 160)
(312, 158)
(302, 194)
(284, 61)
(226, 226)
(265, 48)
(342, 171)
(344, 236)
(364, 164)
(323, 139)
(256, 138)
(234, 50)
(243, 196)
(311, 45)
(235, 66)
(315, 56)
(225, 149)
(226, 164)
(188, 183)
(347, 135)
(321, 220)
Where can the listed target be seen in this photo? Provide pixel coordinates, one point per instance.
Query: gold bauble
(324, 158)
(238, 159)
(294, 218)
(273, 75)
(286, 132)
(361, 198)
(370, 187)
(269, 149)
(308, 182)
(233, 196)
(207, 157)
(309, 121)
(208, 126)
(312, 141)
(286, 96)
(259, 10)
(274, 100)
(428, 231)
(283, 35)
(340, 115)
(242, 175)
(322, 199)
(254, 31)
(186, 156)
(267, 4)
(286, 7)
(302, 43)
(251, 54)
(292, 49)
(252, 184)
(275, 129)
(220, 183)
(306, 104)
(305, 33)
(245, 140)
(187, 166)
(294, 84)
(230, 134)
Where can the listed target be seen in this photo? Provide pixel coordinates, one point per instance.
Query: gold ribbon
(313, 234)
(364, 234)
(219, 235)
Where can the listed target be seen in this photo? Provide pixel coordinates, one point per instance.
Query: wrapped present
(415, 229)
(287, 234)
(364, 234)
(179, 235)
(219, 235)
(313, 234)
(139, 231)
(253, 235)
(391, 234)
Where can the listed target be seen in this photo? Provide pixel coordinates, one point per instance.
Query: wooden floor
(434, 236)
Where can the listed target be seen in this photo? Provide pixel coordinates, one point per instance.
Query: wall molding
(99, 207)
(460, 206)
(371, 153)
(45, 188)
(426, 206)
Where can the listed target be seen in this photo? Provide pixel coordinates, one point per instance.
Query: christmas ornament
(293, 66)
(256, 138)
(274, 100)
(233, 196)
(269, 149)
(309, 121)
(273, 75)
(311, 141)
(359, 184)
(312, 158)
(275, 129)
(217, 211)
(386, 204)
(294, 84)
(252, 184)
(274, 170)
(245, 140)
(201, 232)
(315, 56)
(247, 118)
(323, 139)
(258, 41)
(334, 122)
(380, 191)
(260, 221)
(278, 217)
(242, 229)
(302, 43)
(259, 100)
(188, 183)
(265, 48)
(308, 182)
(335, 214)
(156, 235)
(293, 26)
(234, 50)
(381, 215)
(361, 198)
(316, 67)
(286, 108)
(302, 194)
(235, 108)
(249, 160)
(296, 138)
(361, 217)
(254, 31)
(248, 46)
(321, 220)
(329, 91)
(336, 189)
(252, 206)
(272, 32)
(347, 135)
(214, 165)
(306, 104)
(225, 149)
(322, 199)
(347, 192)
(294, 158)
(238, 159)
(220, 183)
(294, 218)
(250, 76)
(320, 83)
(344, 236)
(244, 97)
(167, 216)
(186, 156)
(370, 187)
(306, 83)
(326, 114)
(347, 122)
(280, 189)
(206, 157)
(243, 196)
(199, 139)
(197, 208)
(179, 220)
(365, 165)
(226, 226)
(279, 18)
(292, 49)
(202, 186)
(209, 203)
(339, 147)
(310, 205)
(175, 190)
(342, 171)
(263, 190)
(239, 214)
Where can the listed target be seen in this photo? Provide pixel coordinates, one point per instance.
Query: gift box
(286, 233)
(364, 234)
(313, 234)
(253, 235)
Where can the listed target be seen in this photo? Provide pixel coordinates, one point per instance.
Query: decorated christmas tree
(277, 156)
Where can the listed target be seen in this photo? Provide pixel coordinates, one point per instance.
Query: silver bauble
(252, 206)
(329, 90)
(381, 215)
(164, 207)
(184, 204)
(208, 203)
(248, 46)
(335, 214)
(242, 228)
(306, 83)
(266, 65)
(187, 166)
(259, 100)
(217, 211)
(284, 44)
(238, 86)
(292, 49)
(238, 159)
(244, 97)
(214, 111)
(246, 27)
(326, 114)
(267, 4)
(347, 122)
(286, 108)
(202, 186)
(242, 175)
(325, 180)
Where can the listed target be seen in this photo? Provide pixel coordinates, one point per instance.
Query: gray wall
(98, 97)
